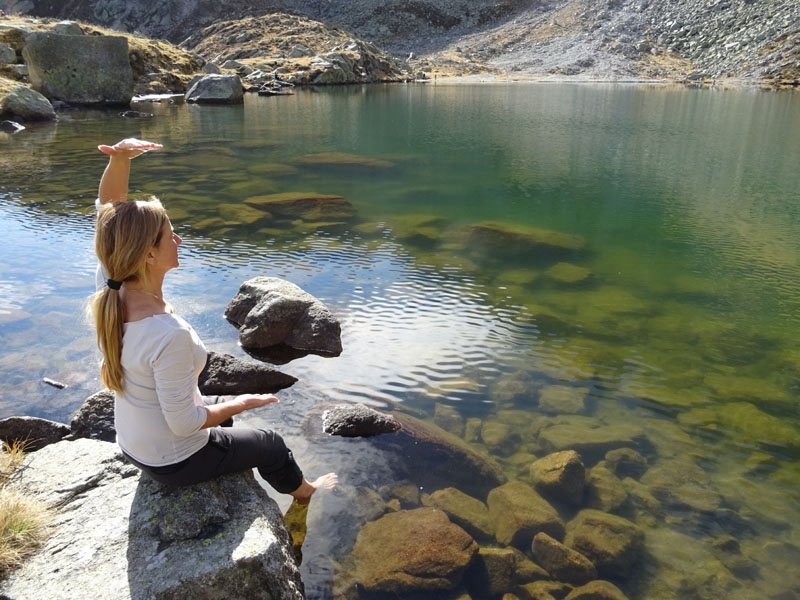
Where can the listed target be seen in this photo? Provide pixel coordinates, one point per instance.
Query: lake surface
(639, 270)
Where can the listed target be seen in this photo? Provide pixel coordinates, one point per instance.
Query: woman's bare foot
(303, 493)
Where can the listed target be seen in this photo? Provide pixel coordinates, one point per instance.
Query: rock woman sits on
(152, 357)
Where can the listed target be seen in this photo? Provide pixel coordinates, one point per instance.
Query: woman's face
(166, 253)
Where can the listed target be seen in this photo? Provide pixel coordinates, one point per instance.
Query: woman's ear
(151, 257)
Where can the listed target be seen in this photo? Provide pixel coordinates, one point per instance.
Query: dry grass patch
(23, 519)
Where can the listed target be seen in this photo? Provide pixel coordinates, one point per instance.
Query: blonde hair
(124, 233)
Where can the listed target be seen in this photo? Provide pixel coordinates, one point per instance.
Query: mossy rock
(682, 484)
(518, 513)
(270, 169)
(467, 512)
(308, 206)
(562, 399)
(241, 214)
(342, 159)
(729, 386)
(503, 241)
(568, 274)
(612, 543)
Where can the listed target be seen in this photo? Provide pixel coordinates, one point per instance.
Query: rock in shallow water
(28, 105)
(215, 89)
(357, 420)
(269, 311)
(561, 562)
(465, 511)
(227, 375)
(412, 550)
(518, 513)
(34, 433)
(560, 475)
(612, 543)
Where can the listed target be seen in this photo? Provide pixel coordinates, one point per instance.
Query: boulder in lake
(34, 433)
(123, 536)
(590, 437)
(518, 513)
(500, 438)
(493, 572)
(95, 418)
(562, 399)
(27, 104)
(500, 240)
(682, 484)
(308, 206)
(467, 512)
(597, 590)
(215, 89)
(434, 458)
(612, 543)
(604, 490)
(410, 551)
(269, 311)
(626, 462)
(560, 476)
(227, 375)
(562, 562)
(80, 69)
(357, 420)
(567, 273)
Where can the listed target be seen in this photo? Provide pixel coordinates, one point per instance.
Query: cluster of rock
(293, 49)
(571, 525)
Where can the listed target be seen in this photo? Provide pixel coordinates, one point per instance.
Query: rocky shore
(694, 40)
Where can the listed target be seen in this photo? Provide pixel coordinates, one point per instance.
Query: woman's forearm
(218, 413)
(114, 183)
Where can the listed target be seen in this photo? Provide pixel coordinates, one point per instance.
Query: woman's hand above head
(129, 148)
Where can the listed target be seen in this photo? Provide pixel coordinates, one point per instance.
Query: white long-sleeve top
(159, 414)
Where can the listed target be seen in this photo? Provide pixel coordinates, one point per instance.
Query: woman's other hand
(129, 148)
(250, 401)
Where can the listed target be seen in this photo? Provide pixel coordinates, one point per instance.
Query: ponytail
(124, 234)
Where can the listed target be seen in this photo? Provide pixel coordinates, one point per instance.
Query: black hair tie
(114, 285)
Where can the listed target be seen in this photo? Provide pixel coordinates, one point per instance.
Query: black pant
(234, 449)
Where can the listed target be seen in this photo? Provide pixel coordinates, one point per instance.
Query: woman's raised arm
(114, 183)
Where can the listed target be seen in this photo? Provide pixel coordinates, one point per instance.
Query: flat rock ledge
(118, 535)
(272, 312)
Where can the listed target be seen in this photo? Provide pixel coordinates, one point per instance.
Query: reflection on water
(529, 267)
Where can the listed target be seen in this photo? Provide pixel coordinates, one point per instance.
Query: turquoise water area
(617, 261)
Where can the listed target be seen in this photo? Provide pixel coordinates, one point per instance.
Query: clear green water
(688, 205)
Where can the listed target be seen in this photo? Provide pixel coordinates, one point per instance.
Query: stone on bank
(80, 69)
(118, 535)
(27, 104)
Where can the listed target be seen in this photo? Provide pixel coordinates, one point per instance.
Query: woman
(152, 358)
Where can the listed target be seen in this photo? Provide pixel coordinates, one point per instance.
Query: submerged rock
(503, 241)
(590, 437)
(467, 512)
(224, 539)
(604, 490)
(612, 543)
(682, 484)
(441, 552)
(499, 438)
(32, 432)
(449, 419)
(561, 562)
(518, 513)
(567, 273)
(95, 418)
(308, 206)
(269, 311)
(561, 476)
(562, 399)
(626, 462)
(342, 159)
(215, 89)
(493, 572)
(547, 590)
(80, 69)
(227, 375)
(597, 590)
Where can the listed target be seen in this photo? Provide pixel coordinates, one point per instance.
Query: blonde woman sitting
(152, 357)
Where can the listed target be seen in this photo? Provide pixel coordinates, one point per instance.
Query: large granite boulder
(412, 550)
(80, 69)
(27, 104)
(560, 476)
(518, 513)
(34, 433)
(215, 89)
(227, 375)
(95, 418)
(118, 535)
(269, 312)
(612, 543)
(562, 562)
(357, 420)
